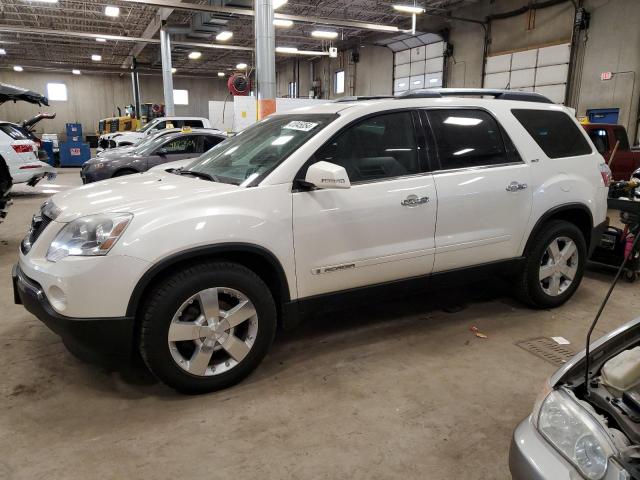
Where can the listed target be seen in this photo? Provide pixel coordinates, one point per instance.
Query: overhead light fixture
(174, 70)
(295, 51)
(409, 9)
(278, 3)
(221, 74)
(17, 68)
(286, 50)
(76, 71)
(3, 51)
(324, 34)
(224, 36)
(96, 58)
(195, 55)
(101, 40)
(111, 11)
(279, 22)
(241, 66)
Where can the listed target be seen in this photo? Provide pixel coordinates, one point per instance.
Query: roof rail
(361, 98)
(484, 92)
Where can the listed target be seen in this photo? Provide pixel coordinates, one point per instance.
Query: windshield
(260, 148)
(149, 125)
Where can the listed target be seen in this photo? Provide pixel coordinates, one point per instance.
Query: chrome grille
(38, 224)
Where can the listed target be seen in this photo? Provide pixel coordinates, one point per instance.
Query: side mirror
(327, 175)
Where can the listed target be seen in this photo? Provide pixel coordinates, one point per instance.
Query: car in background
(6, 183)
(165, 148)
(21, 156)
(573, 434)
(27, 128)
(114, 152)
(172, 166)
(121, 139)
(605, 136)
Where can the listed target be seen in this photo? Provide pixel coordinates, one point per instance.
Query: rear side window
(13, 132)
(467, 138)
(621, 136)
(193, 123)
(555, 132)
(600, 139)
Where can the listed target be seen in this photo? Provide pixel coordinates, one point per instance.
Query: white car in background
(121, 139)
(21, 156)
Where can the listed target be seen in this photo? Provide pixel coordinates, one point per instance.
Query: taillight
(605, 172)
(22, 148)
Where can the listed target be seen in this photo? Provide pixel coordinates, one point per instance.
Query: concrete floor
(395, 390)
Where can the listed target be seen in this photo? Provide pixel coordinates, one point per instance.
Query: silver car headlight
(89, 236)
(576, 434)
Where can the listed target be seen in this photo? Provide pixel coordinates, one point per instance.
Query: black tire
(165, 300)
(528, 287)
(123, 172)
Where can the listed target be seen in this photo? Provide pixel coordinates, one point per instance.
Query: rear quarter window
(555, 132)
(13, 132)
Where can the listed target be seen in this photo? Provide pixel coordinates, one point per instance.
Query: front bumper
(103, 338)
(90, 175)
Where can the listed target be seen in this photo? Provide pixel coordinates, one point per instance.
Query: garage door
(418, 68)
(544, 70)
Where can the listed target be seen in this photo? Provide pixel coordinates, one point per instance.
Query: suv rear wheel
(554, 265)
(207, 326)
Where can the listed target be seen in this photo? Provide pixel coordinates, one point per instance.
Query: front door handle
(414, 201)
(516, 186)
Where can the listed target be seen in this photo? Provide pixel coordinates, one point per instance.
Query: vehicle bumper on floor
(109, 339)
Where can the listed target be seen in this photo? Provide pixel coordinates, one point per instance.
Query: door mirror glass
(327, 175)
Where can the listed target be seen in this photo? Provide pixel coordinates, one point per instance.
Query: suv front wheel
(207, 326)
(554, 265)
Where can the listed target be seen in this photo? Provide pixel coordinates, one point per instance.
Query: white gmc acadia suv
(196, 268)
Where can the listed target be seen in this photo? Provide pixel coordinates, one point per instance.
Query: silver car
(572, 434)
(162, 149)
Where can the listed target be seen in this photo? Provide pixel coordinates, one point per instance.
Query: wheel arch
(576, 213)
(256, 258)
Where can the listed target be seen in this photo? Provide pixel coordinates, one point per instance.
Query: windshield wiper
(204, 176)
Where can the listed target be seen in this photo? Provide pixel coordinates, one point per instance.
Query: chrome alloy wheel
(558, 266)
(213, 331)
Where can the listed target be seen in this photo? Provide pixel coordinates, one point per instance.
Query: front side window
(180, 145)
(258, 149)
(554, 131)
(467, 138)
(379, 147)
(211, 141)
(600, 139)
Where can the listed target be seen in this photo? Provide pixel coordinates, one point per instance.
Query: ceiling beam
(178, 5)
(149, 32)
(116, 38)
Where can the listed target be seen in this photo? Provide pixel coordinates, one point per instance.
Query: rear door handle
(414, 201)
(516, 186)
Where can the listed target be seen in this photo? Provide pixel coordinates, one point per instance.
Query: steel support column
(167, 76)
(135, 83)
(265, 57)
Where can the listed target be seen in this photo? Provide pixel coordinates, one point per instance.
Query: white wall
(93, 96)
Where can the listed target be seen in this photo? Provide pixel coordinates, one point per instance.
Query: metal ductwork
(207, 24)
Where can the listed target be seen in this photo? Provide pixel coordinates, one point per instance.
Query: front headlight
(573, 431)
(89, 236)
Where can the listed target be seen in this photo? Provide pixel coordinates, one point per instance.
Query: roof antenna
(602, 305)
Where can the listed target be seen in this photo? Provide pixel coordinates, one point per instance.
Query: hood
(137, 194)
(172, 165)
(116, 152)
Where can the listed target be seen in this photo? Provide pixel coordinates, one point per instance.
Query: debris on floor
(477, 332)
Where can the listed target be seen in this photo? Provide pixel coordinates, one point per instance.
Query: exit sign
(606, 76)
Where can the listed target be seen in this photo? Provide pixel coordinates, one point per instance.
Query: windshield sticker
(301, 126)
